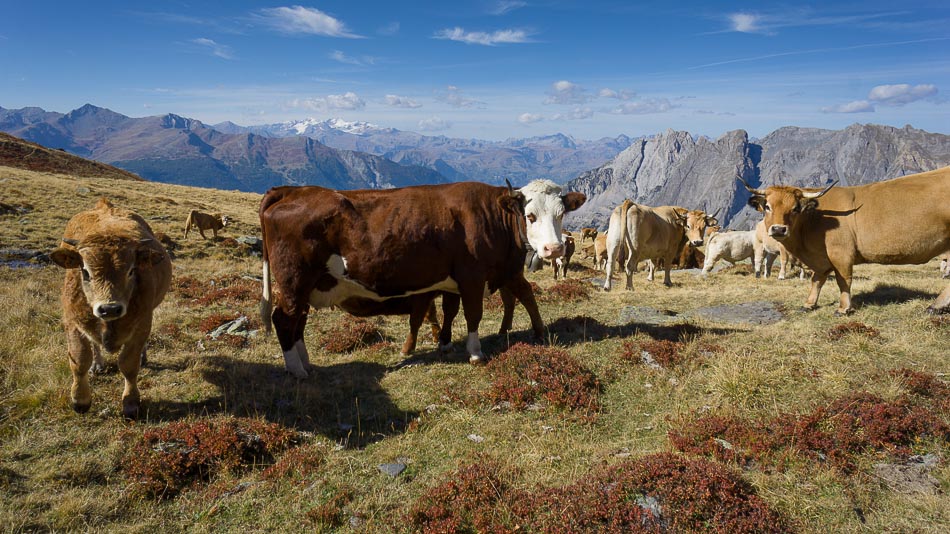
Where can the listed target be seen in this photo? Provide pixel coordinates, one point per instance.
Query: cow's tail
(624, 232)
(189, 222)
(267, 305)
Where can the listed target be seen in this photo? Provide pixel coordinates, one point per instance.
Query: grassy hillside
(767, 420)
(16, 152)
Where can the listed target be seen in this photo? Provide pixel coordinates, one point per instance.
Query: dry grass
(370, 406)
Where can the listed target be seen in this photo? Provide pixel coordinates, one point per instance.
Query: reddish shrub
(171, 458)
(940, 320)
(664, 352)
(567, 290)
(209, 323)
(298, 463)
(230, 290)
(853, 327)
(350, 333)
(525, 374)
(924, 384)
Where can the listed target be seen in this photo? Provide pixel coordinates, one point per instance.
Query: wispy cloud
(530, 118)
(769, 23)
(623, 94)
(887, 95)
(502, 7)
(401, 102)
(434, 124)
(361, 61)
(453, 96)
(565, 92)
(216, 49)
(578, 113)
(745, 22)
(643, 107)
(348, 100)
(483, 38)
(304, 20)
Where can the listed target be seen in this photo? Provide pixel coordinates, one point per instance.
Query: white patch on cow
(543, 202)
(486, 293)
(347, 288)
(474, 348)
(292, 362)
(302, 353)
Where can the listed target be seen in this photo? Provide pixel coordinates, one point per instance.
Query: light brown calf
(205, 221)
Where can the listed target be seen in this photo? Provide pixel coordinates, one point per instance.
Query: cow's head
(696, 224)
(109, 268)
(224, 219)
(782, 206)
(544, 209)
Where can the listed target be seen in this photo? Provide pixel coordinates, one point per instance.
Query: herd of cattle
(388, 252)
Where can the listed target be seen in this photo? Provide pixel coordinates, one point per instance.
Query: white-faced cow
(564, 261)
(205, 221)
(900, 221)
(357, 249)
(642, 233)
(729, 246)
(117, 273)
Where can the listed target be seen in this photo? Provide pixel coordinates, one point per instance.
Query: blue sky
(489, 69)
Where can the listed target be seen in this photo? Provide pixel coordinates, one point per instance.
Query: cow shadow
(343, 402)
(890, 294)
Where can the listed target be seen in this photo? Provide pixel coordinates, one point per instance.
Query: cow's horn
(807, 194)
(753, 191)
(70, 241)
(510, 189)
(716, 212)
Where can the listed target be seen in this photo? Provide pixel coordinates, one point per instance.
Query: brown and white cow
(205, 221)
(117, 273)
(767, 249)
(588, 232)
(356, 249)
(644, 233)
(564, 261)
(900, 221)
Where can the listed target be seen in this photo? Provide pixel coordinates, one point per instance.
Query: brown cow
(356, 249)
(898, 221)
(117, 273)
(205, 221)
(588, 232)
(565, 260)
(697, 226)
(600, 252)
(643, 232)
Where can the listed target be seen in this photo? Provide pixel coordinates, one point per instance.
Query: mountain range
(675, 168)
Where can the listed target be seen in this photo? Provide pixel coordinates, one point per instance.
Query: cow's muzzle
(551, 251)
(109, 311)
(696, 242)
(778, 231)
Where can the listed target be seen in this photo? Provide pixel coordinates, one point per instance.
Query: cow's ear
(66, 258)
(712, 221)
(757, 202)
(146, 255)
(807, 204)
(513, 201)
(573, 200)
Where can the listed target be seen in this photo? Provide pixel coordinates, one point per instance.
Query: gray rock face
(673, 168)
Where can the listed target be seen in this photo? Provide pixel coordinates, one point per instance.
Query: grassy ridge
(436, 415)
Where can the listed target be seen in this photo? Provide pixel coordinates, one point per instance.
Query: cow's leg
(667, 266)
(450, 309)
(472, 304)
(143, 359)
(942, 304)
(784, 259)
(80, 361)
(769, 262)
(130, 360)
(843, 278)
(651, 270)
(508, 304)
(817, 280)
(609, 265)
(522, 290)
(289, 329)
(420, 309)
(98, 360)
(629, 268)
(202, 232)
(432, 317)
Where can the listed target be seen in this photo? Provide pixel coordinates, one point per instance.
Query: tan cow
(205, 221)
(945, 265)
(900, 221)
(600, 252)
(643, 232)
(588, 232)
(116, 274)
(767, 249)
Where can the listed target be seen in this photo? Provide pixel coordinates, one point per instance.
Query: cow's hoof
(476, 359)
(807, 309)
(97, 369)
(448, 348)
(130, 413)
(80, 407)
(845, 313)
(937, 311)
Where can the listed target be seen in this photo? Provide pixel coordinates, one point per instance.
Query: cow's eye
(532, 218)
(131, 272)
(85, 274)
(796, 208)
(768, 208)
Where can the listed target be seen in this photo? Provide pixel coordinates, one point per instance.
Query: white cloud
(483, 38)
(453, 97)
(401, 102)
(575, 114)
(348, 100)
(900, 94)
(623, 94)
(216, 49)
(434, 124)
(858, 106)
(306, 20)
(746, 23)
(337, 55)
(529, 118)
(565, 92)
(643, 107)
(505, 6)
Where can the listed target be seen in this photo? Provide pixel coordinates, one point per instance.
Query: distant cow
(564, 261)
(356, 249)
(117, 273)
(945, 265)
(698, 226)
(588, 232)
(730, 246)
(205, 221)
(645, 233)
(600, 252)
(766, 250)
(900, 221)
